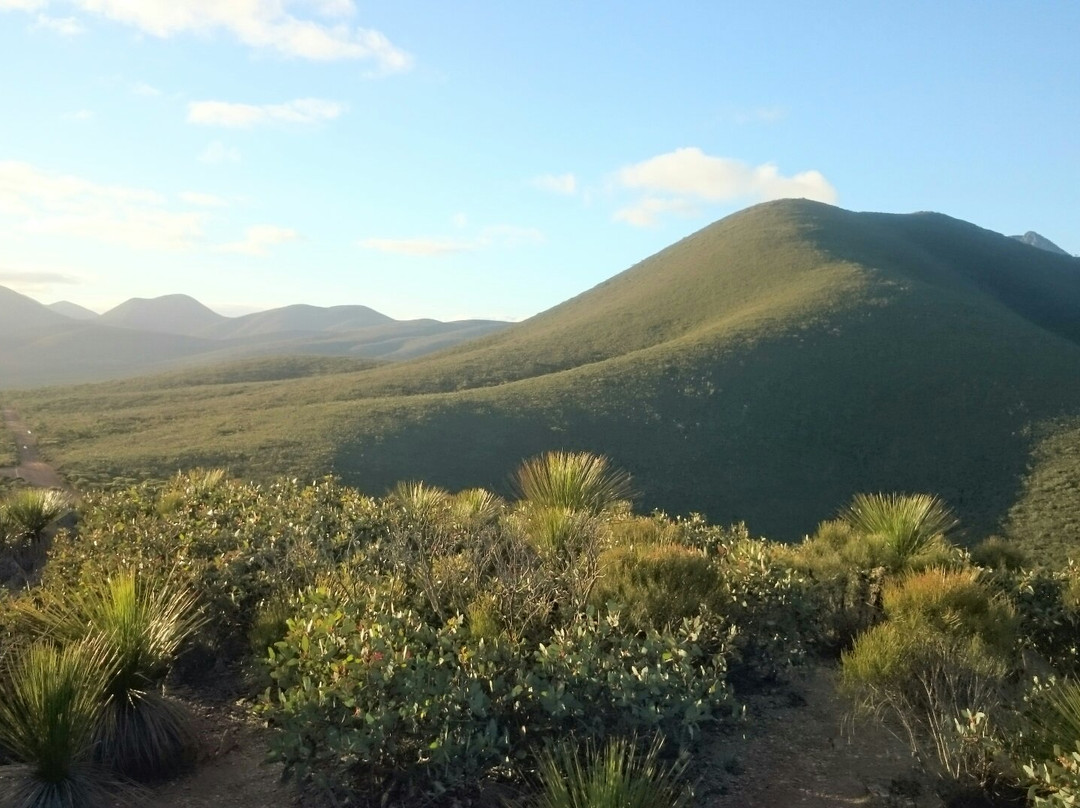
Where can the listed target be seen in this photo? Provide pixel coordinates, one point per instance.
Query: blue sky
(483, 159)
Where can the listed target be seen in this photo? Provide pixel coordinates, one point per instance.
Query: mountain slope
(73, 310)
(765, 368)
(169, 314)
(1033, 239)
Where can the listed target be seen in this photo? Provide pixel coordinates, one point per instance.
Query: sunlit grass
(50, 705)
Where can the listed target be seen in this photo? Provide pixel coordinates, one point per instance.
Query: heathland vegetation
(443, 622)
(554, 649)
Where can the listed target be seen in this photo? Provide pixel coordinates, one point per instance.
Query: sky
(492, 159)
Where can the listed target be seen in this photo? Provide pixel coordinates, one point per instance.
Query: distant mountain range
(64, 342)
(765, 368)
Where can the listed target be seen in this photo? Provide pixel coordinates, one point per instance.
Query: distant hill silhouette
(73, 310)
(65, 343)
(765, 368)
(1033, 239)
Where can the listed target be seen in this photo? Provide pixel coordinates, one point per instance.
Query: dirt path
(31, 468)
(799, 749)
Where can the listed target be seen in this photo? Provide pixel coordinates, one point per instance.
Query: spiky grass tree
(578, 481)
(142, 622)
(50, 703)
(617, 776)
(31, 510)
(909, 524)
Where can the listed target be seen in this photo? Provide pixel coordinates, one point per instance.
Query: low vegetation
(559, 647)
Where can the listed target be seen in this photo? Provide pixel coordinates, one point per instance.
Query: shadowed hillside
(765, 368)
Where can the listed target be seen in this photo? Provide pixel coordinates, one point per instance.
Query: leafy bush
(616, 776)
(238, 545)
(369, 696)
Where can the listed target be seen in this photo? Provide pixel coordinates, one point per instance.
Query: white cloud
(647, 211)
(41, 202)
(217, 152)
(256, 23)
(417, 246)
(688, 175)
(558, 184)
(22, 5)
(203, 200)
(145, 90)
(243, 116)
(258, 238)
(78, 115)
(65, 26)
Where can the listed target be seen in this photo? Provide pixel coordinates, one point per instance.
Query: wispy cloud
(35, 280)
(259, 238)
(759, 115)
(556, 183)
(48, 203)
(78, 115)
(22, 5)
(65, 26)
(217, 153)
(320, 35)
(244, 116)
(145, 90)
(680, 180)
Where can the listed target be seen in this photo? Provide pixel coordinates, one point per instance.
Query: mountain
(301, 318)
(169, 314)
(65, 343)
(1033, 239)
(19, 312)
(765, 368)
(73, 310)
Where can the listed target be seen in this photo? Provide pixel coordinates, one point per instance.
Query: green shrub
(955, 603)
(996, 553)
(931, 686)
(615, 776)
(50, 701)
(656, 585)
(370, 697)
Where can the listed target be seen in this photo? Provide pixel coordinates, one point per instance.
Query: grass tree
(578, 481)
(142, 622)
(616, 776)
(908, 524)
(50, 704)
(31, 510)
